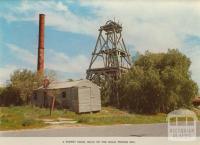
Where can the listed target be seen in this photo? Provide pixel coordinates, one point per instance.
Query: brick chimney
(40, 64)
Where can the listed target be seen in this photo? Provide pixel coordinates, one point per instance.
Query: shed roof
(65, 84)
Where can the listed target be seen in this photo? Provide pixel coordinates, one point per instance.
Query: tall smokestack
(40, 65)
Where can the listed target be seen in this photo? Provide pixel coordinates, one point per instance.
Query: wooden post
(52, 104)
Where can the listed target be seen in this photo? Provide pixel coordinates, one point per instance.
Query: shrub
(158, 83)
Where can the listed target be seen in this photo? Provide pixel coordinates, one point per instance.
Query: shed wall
(89, 97)
(85, 97)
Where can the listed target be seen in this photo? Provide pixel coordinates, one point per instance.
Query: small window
(64, 94)
(35, 96)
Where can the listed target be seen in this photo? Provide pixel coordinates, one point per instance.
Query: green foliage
(25, 81)
(158, 83)
(10, 96)
(105, 92)
(110, 115)
(16, 117)
(22, 84)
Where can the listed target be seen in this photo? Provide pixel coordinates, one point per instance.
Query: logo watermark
(181, 125)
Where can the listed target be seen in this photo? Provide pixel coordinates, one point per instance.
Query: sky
(71, 31)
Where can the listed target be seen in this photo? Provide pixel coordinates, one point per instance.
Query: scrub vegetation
(21, 117)
(24, 117)
(158, 82)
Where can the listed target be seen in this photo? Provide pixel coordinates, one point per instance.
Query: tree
(26, 81)
(105, 93)
(22, 83)
(158, 83)
(10, 96)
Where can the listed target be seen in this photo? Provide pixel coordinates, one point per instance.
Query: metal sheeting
(80, 96)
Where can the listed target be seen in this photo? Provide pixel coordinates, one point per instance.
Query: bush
(158, 83)
(27, 122)
(22, 84)
(10, 96)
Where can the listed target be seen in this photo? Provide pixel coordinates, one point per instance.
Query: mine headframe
(110, 58)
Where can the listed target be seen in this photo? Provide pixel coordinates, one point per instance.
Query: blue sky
(72, 28)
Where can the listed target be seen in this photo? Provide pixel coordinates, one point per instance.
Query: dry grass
(20, 117)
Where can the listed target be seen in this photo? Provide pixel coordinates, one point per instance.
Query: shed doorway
(85, 99)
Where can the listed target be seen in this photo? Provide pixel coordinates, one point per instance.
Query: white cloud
(54, 60)
(150, 25)
(155, 25)
(58, 16)
(6, 72)
(27, 60)
(61, 62)
(23, 54)
(60, 6)
(147, 25)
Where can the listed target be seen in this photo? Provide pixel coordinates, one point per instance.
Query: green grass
(18, 118)
(110, 116)
(21, 117)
